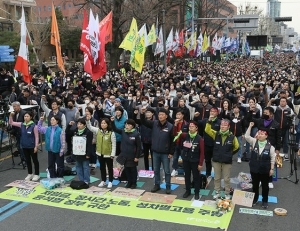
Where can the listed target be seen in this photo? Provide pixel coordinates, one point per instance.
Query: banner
(180, 211)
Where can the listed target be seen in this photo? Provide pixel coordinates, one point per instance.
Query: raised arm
(11, 122)
(42, 129)
(89, 125)
(62, 142)
(44, 107)
(114, 144)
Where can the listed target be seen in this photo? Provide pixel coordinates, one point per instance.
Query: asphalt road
(39, 217)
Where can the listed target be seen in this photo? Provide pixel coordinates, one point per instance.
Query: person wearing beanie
(261, 163)
(225, 146)
(130, 150)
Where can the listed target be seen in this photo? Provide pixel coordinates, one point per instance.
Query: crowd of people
(193, 111)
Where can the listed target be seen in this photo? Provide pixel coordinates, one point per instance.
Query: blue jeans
(83, 169)
(55, 158)
(252, 134)
(176, 155)
(240, 140)
(157, 160)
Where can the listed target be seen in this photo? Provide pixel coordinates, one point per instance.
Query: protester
(29, 141)
(261, 163)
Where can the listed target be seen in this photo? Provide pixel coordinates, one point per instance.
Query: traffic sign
(4, 53)
(4, 47)
(7, 57)
(7, 50)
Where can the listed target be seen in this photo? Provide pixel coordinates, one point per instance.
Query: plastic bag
(52, 183)
(244, 177)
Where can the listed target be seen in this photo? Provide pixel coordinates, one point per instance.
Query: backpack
(203, 181)
(78, 184)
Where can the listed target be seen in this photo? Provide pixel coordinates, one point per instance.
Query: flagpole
(193, 28)
(164, 39)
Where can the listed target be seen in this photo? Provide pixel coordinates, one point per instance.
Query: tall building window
(49, 8)
(70, 5)
(64, 6)
(45, 8)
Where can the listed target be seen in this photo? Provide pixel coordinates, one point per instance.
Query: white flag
(169, 42)
(215, 41)
(227, 42)
(199, 45)
(220, 43)
(94, 36)
(159, 43)
(176, 41)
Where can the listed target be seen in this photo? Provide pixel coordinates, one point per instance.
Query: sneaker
(35, 178)
(93, 166)
(187, 193)
(102, 184)
(239, 160)
(286, 158)
(128, 185)
(216, 196)
(133, 186)
(264, 205)
(174, 173)
(29, 177)
(168, 190)
(254, 203)
(155, 188)
(196, 197)
(271, 185)
(109, 185)
(227, 197)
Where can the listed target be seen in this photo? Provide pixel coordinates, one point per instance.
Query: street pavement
(40, 217)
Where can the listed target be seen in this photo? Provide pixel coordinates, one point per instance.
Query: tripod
(293, 157)
(10, 144)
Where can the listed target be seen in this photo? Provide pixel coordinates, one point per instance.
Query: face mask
(157, 94)
(129, 98)
(68, 80)
(70, 106)
(243, 89)
(39, 83)
(219, 95)
(207, 84)
(144, 103)
(177, 86)
(88, 81)
(86, 101)
(192, 92)
(34, 92)
(265, 117)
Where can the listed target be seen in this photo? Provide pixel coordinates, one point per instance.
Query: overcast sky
(288, 8)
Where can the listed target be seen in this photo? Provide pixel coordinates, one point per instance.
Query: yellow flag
(152, 36)
(55, 40)
(187, 42)
(129, 41)
(205, 44)
(137, 58)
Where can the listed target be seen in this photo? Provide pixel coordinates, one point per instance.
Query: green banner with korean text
(180, 211)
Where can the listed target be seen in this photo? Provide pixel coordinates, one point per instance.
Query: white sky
(288, 8)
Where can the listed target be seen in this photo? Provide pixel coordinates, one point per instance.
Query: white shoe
(174, 173)
(109, 185)
(29, 177)
(239, 160)
(271, 185)
(259, 184)
(102, 184)
(216, 196)
(35, 178)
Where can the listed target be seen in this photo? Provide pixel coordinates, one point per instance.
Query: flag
(159, 43)
(269, 48)
(55, 40)
(175, 41)
(220, 43)
(180, 50)
(215, 41)
(151, 36)
(205, 44)
(106, 26)
(277, 47)
(294, 49)
(85, 44)
(22, 59)
(129, 41)
(169, 42)
(156, 27)
(227, 42)
(199, 45)
(137, 57)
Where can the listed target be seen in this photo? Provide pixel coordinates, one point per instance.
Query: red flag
(22, 59)
(106, 25)
(85, 44)
(181, 49)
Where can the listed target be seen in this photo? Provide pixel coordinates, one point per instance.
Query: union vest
(260, 163)
(192, 154)
(104, 144)
(51, 114)
(56, 139)
(223, 153)
(161, 142)
(281, 116)
(27, 136)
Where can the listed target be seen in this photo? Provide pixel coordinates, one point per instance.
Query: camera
(4, 108)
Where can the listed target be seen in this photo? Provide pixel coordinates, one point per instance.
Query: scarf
(224, 133)
(193, 135)
(80, 131)
(128, 131)
(267, 122)
(178, 135)
(213, 120)
(262, 144)
(28, 124)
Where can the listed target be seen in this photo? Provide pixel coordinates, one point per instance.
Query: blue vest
(56, 139)
(27, 136)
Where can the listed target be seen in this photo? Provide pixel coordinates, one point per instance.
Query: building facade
(273, 8)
